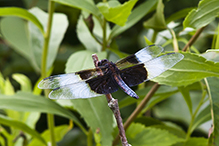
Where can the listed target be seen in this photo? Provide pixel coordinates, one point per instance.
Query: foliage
(36, 42)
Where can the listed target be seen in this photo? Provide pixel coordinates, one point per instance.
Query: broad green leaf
(185, 93)
(59, 131)
(138, 134)
(212, 86)
(24, 82)
(27, 39)
(117, 14)
(199, 141)
(189, 70)
(137, 14)
(97, 115)
(86, 5)
(16, 124)
(173, 130)
(157, 21)
(59, 27)
(178, 15)
(12, 11)
(206, 12)
(18, 38)
(82, 60)
(73, 138)
(23, 101)
(175, 107)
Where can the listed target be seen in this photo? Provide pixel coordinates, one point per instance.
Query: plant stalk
(50, 117)
(138, 109)
(193, 38)
(104, 44)
(114, 106)
(190, 129)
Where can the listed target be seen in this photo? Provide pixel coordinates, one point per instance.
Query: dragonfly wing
(56, 81)
(73, 91)
(91, 88)
(160, 64)
(141, 56)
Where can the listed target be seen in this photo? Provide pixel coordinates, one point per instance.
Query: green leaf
(23, 14)
(12, 123)
(28, 41)
(137, 14)
(186, 95)
(175, 108)
(173, 129)
(86, 5)
(205, 13)
(24, 81)
(18, 38)
(85, 60)
(157, 21)
(117, 14)
(9, 89)
(138, 134)
(59, 131)
(177, 15)
(148, 42)
(2, 84)
(199, 141)
(23, 101)
(97, 115)
(212, 86)
(189, 70)
(59, 27)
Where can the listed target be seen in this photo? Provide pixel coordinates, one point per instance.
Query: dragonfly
(108, 77)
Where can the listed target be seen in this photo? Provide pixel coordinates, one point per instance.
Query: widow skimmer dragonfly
(108, 76)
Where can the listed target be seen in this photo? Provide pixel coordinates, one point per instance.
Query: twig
(193, 38)
(114, 106)
(138, 109)
(22, 135)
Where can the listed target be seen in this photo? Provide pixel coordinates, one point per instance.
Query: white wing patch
(56, 81)
(148, 53)
(73, 91)
(160, 64)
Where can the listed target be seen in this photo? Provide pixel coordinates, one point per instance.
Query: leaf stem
(154, 36)
(191, 128)
(175, 42)
(104, 35)
(89, 138)
(50, 117)
(193, 38)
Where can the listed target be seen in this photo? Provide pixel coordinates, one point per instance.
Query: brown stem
(193, 38)
(114, 106)
(138, 109)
